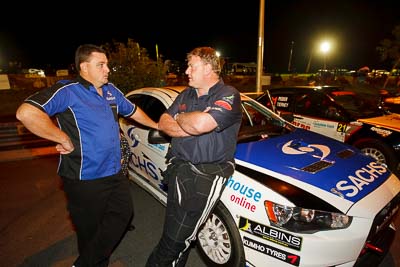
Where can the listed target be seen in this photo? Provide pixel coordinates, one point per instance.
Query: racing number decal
(341, 127)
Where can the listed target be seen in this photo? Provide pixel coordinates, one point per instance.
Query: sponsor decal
(242, 193)
(281, 102)
(285, 256)
(274, 99)
(301, 125)
(131, 135)
(160, 147)
(109, 96)
(144, 165)
(226, 102)
(215, 108)
(223, 104)
(298, 147)
(381, 132)
(182, 108)
(242, 201)
(361, 178)
(271, 234)
(320, 124)
(229, 99)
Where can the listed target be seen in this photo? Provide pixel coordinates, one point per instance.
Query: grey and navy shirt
(219, 145)
(91, 121)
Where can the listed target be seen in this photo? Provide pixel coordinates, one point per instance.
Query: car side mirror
(158, 137)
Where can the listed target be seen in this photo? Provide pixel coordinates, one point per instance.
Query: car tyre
(219, 242)
(379, 151)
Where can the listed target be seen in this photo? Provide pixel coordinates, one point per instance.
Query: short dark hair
(83, 53)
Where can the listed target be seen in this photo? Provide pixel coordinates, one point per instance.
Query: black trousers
(101, 211)
(193, 191)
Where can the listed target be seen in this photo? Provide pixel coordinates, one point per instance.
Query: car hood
(316, 164)
(391, 121)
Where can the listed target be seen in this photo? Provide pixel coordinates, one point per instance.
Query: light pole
(325, 47)
(289, 68)
(309, 62)
(260, 47)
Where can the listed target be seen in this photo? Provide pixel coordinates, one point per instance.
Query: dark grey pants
(192, 194)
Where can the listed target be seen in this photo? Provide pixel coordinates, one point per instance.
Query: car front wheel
(219, 242)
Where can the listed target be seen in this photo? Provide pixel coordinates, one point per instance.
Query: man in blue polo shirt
(88, 140)
(204, 122)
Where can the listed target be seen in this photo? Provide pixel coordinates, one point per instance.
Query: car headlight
(297, 219)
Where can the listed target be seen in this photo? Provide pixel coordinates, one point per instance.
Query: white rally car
(296, 198)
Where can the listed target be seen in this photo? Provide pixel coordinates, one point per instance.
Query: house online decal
(243, 195)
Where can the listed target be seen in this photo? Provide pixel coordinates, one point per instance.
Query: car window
(153, 107)
(311, 103)
(258, 124)
(357, 106)
(303, 104)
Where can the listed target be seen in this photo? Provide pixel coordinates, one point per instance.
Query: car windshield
(260, 123)
(357, 106)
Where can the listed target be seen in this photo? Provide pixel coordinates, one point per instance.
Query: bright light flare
(325, 47)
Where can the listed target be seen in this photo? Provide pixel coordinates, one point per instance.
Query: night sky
(354, 27)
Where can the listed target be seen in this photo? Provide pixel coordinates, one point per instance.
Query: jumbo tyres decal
(282, 255)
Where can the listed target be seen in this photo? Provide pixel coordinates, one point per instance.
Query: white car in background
(38, 72)
(296, 198)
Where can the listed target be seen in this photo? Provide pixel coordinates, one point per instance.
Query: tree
(389, 49)
(131, 67)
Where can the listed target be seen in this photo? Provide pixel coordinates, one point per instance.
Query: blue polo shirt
(91, 121)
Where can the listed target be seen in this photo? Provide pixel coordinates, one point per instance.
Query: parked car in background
(378, 73)
(391, 100)
(38, 72)
(342, 115)
(296, 198)
(393, 103)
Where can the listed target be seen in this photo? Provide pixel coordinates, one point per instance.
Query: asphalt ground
(35, 228)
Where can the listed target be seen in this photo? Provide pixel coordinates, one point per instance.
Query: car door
(148, 160)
